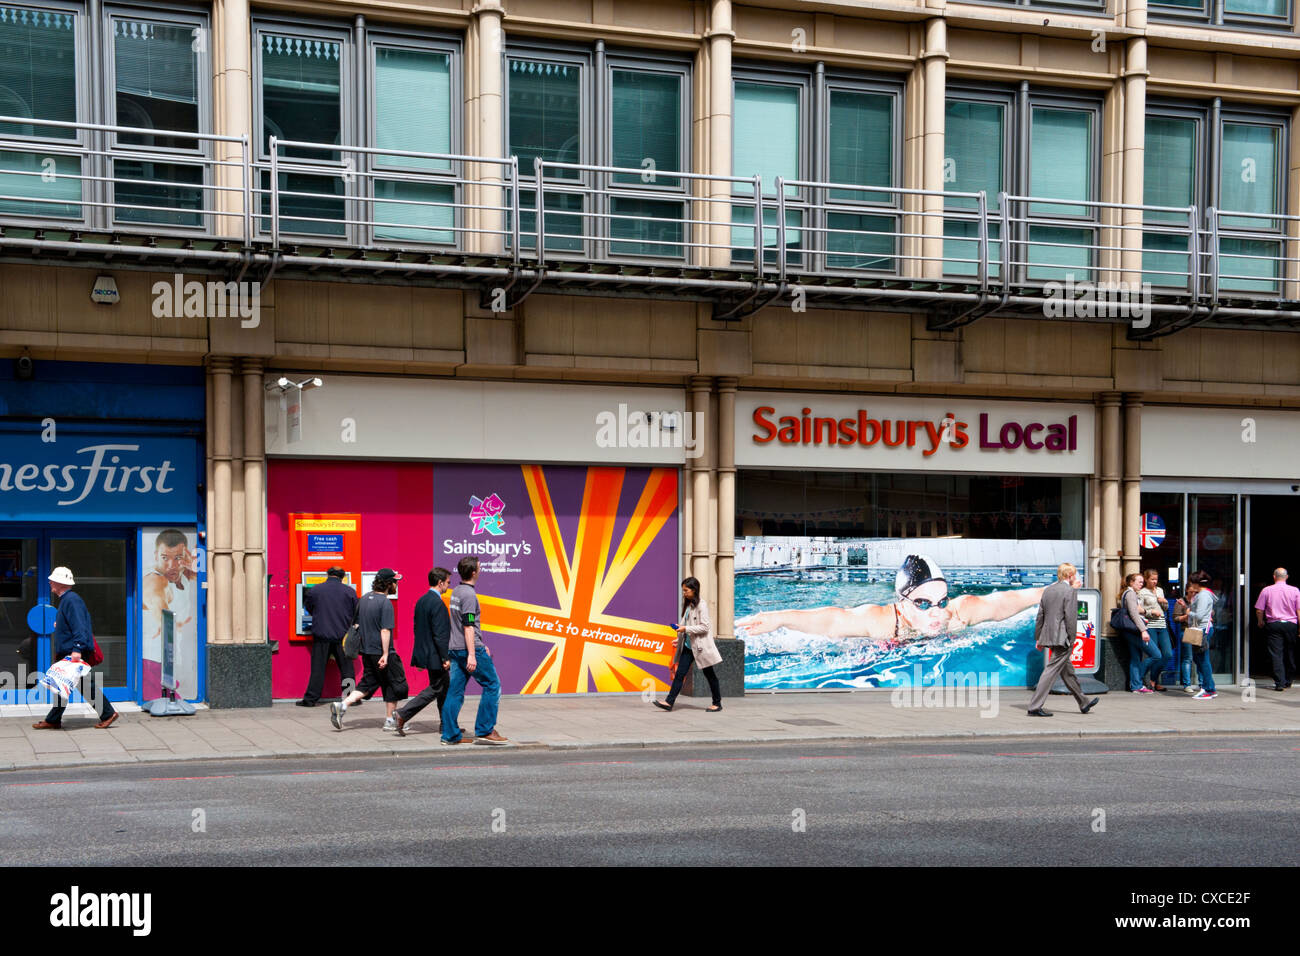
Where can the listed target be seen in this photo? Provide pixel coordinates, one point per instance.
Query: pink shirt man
(1279, 602)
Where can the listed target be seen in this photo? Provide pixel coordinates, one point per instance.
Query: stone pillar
(237, 605)
(1111, 512)
(220, 559)
(1132, 520)
(720, 37)
(700, 468)
(1135, 120)
(934, 58)
(232, 86)
(490, 51)
(726, 446)
(254, 503)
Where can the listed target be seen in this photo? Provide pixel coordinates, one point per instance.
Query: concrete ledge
(730, 673)
(239, 675)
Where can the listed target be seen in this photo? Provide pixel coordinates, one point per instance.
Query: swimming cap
(917, 569)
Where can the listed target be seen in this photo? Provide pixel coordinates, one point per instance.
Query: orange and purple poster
(578, 570)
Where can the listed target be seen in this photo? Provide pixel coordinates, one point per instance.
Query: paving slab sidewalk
(284, 730)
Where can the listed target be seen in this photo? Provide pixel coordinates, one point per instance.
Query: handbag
(1119, 620)
(1194, 636)
(352, 639)
(96, 655)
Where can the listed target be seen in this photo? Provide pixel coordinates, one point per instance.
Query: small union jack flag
(1152, 531)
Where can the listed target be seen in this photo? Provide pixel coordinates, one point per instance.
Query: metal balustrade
(114, 193)
(90, 178)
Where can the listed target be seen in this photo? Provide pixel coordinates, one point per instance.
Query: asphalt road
(1216, 800)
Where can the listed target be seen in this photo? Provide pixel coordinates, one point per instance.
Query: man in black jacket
(332, 606)
(432, 634)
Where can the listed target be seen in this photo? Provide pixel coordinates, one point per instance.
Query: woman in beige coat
(694, 646)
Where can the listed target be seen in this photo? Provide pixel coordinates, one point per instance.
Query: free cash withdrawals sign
(318, 542)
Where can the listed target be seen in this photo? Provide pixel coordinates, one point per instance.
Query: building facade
(530, 244)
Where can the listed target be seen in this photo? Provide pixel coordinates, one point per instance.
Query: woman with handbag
(1154, 610)
(694, 645)
(1200, 614)
(1144, 658)
(74, 637)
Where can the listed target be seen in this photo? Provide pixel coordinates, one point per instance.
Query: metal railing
(87, 176)
(445, 214)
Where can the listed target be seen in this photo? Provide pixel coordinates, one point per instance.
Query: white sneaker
(390, 724)
(1191, 689)
(1206, 695)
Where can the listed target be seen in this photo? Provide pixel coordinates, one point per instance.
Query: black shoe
(306, 703)
(1090, 705)
(1280, 686)
(661, 705)
(1039, 712)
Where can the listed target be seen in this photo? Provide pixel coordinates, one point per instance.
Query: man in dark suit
(432, 634)
(332, 605)
(1056, 627)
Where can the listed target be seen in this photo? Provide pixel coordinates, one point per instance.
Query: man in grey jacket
(1056, 627)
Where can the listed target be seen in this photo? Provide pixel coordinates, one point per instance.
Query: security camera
(25, 366)
(1295, 487)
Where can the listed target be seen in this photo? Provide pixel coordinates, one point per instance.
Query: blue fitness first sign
(97, 477)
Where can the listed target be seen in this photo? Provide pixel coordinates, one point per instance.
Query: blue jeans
(1201, 655)
(485, 673)
(1143, 656)
(1160, 640)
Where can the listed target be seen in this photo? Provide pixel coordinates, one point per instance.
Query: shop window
(1031, 144)
(592, 108)
(1235, 167)
(851, 140)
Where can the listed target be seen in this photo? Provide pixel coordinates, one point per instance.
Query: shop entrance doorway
(101, 561)
(1271, 521)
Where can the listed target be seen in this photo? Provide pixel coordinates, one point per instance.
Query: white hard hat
(63, 576)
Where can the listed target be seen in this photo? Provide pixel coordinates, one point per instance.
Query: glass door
(100, 566)
(1212, 522)
(22, 587)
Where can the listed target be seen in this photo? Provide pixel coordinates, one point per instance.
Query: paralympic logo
(487, 514)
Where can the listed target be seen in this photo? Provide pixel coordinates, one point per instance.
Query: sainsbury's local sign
(900, 433)
(96, 477)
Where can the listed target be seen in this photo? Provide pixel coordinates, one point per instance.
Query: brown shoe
(398, 723)
(105, 724)
(46, 725)
(492, 739)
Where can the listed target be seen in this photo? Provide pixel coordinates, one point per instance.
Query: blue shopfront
(101, 472)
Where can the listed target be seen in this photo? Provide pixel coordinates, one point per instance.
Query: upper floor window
(826, 157)
(1042, 151)
(159, 171)
(1259, 14)
(1231, 161)
(589, 112)
(333, 146)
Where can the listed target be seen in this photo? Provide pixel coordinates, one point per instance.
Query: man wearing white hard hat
(73, 637)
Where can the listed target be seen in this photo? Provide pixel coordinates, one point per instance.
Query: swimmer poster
(841, 612)
(578, 567)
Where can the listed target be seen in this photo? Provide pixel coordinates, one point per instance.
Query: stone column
(1135, 122)
(1132, 520)
(232, 86)
(254, 503)
(726, 446)
(220, 559)
(237, 606)
(1111, 512)
(488, 105)
(934, 60)
(700, 468)
(720, 38)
